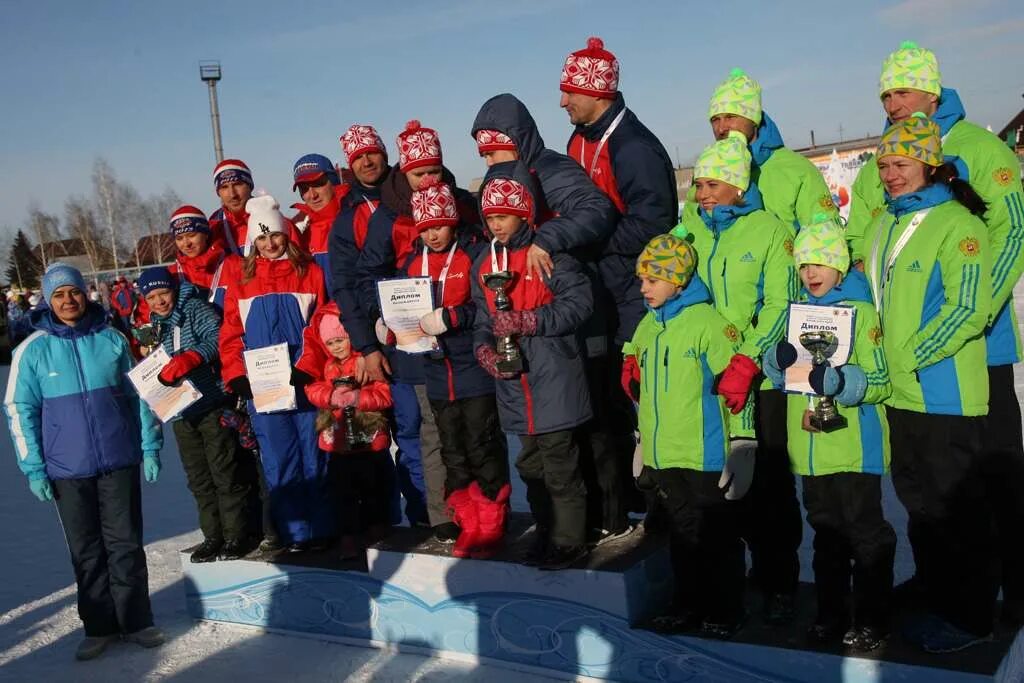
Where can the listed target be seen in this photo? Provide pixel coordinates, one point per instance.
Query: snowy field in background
(39, 626)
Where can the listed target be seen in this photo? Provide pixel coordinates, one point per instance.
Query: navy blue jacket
(635, 172)
(552, 394)
(454, 372)
(348, 235)
(584, 217)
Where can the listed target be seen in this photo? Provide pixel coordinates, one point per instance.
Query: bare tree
(104, 185)
(158, 210)
(133, 214)
(80, 223)
(45, 227)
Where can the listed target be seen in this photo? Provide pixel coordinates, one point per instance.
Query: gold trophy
(510, 359)
(822, 344)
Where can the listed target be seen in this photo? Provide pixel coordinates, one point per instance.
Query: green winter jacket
(934, 303)
(863, 445)
(994, 172)
(681, 348)
(792, 188)
(745, 255)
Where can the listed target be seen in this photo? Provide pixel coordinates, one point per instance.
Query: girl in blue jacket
(81, 434)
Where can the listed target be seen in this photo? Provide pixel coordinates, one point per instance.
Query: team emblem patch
(788, 246)
(826, 202)
(731, 333)
(970, 246)
(1003, 176)
(875, 335)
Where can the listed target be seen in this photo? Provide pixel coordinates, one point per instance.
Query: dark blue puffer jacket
(552, 394)
(584, 217)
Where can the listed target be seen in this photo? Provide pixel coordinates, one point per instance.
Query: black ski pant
(772, 527)
(937, 470)
(102, 520)
(363, 484)
(1004, 476)
(708, 557)
(549, 466)
(473, 447)
(210, 457)
(607, 444)
(852, 540)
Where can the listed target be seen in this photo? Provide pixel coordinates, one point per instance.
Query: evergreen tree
(23, 268)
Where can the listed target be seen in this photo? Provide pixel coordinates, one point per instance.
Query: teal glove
(41, 488)
(151, 468)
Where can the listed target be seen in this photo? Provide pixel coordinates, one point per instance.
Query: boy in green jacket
(842, 469)
(680, 347)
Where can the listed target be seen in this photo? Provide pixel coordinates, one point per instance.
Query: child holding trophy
(839, 443)
(524, 336)
(353, 428)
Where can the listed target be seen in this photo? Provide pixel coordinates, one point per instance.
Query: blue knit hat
(155, 278)
(310, 167)
(60, 275)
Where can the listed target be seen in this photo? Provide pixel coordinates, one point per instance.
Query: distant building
(71, 251)
(1013, 133)
(152, 250)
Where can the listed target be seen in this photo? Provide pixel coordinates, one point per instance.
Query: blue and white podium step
(571, 623)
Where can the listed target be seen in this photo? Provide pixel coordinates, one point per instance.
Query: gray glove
(739, 468)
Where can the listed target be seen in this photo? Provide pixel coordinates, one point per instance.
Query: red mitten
(734, 386)
(343, 397)
(514, 322)
(631, 378)
(179, 366)
(488, 359)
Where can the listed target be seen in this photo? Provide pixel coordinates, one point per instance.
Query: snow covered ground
(39, 627)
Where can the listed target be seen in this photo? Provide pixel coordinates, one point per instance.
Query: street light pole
(209, 73)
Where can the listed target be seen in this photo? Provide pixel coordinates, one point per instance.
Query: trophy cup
(510, 360)
(355, 437)
(148, 337)
(821, 345)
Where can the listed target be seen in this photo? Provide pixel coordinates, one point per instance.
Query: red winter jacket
(273, 307)
(374, 396)
(317, 227)
(229, 229)
(199, 270)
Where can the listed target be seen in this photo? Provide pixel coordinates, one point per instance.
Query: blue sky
(120, 79)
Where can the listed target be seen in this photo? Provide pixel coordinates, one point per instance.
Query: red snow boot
(492, 516)
(464, 513)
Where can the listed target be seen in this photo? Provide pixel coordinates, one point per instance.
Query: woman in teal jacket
(81, 433)
(927, 262)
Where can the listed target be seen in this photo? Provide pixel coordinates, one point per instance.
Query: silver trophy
(510, 359)
(822, 344)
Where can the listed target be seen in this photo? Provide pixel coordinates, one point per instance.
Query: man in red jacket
(631, 167)
(317, 182)
(233, 181)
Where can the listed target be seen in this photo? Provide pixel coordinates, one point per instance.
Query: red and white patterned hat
(433, 205)
(490, 140)
(591, 71)
(359, 140)
(418, 146)
(506, 196)
(232, 170)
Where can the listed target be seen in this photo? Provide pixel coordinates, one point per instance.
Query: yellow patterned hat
(822, 243)
(668, 258)
(916, 137)
(727, 160)
(910, 67)
(738, 94)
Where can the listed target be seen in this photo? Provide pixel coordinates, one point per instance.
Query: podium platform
(410, 595)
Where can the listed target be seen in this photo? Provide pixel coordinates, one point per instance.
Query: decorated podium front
(572, 623)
